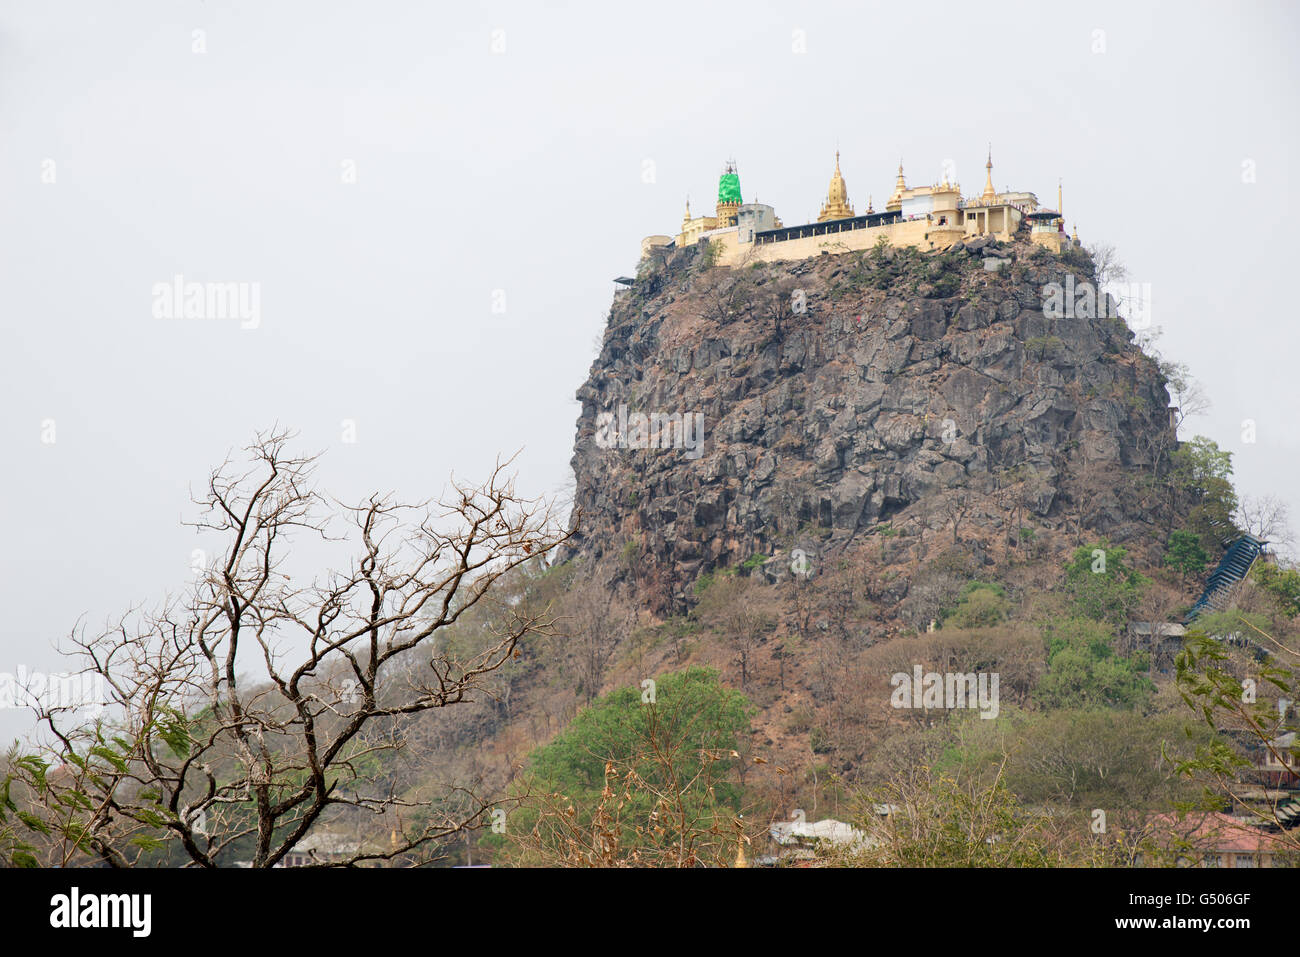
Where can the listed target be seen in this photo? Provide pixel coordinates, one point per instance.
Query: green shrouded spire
(729, 185)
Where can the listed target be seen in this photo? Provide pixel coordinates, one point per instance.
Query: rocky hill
(927, 394)
(904, 426)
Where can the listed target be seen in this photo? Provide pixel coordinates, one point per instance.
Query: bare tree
(736, 607)
(1107, 266)
(955, 509)
(1266, 517)
(1188, 395)
(197, 759)
(778, 305)
(727, 293)
(595, 627)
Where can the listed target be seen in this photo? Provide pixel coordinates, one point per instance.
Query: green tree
(1102, 585)
(642, 776)
(1184, 553)
(1282, 584)
(1202, 478)
(938, 819)
(18, 826)
(1102, 758)
(1233, 692)
(1084, 671)
(982, 605)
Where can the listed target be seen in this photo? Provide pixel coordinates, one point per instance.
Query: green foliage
(752, 562)
(1231, 622)
(681, 744)
(1077, 257)
(982, 605)
(1078, 759)
(1084, 671)
(1282, 584)
(691, 709)
(820, 741)
(942, 820)
(1101, 585)
(945, 287)
(1209, 675)
(14, 850)
(1184, 553)
(172, 727)
(1202, 476)
(709, 254)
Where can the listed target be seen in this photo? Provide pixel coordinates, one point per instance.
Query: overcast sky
(500, 147)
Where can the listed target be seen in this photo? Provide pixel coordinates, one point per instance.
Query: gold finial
(869, 209)
(989, 193)
(1075, 237)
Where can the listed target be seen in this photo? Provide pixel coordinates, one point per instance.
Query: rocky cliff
(843, 395)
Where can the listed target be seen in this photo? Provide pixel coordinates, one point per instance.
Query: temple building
(730, 214)
(929, 217)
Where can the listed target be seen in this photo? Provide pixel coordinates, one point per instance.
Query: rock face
(838, 394)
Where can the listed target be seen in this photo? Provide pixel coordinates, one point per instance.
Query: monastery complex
(928, 217)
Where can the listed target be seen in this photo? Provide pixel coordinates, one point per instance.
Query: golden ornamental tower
(895, 201)
(989, 194)
(837, 197)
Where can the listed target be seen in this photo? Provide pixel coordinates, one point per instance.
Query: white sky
(523, 171)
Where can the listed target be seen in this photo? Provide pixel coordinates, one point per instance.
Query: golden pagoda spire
(1060, 204)
(895, 200)
(687, 218)
(989, 193)
(837, 197)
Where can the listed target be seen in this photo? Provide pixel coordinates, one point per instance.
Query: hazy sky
(506, 147)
